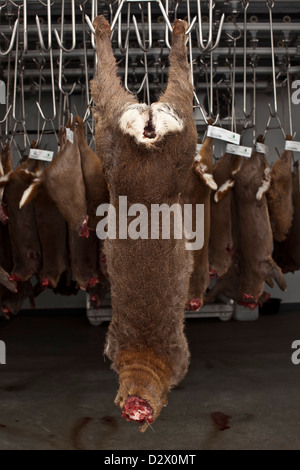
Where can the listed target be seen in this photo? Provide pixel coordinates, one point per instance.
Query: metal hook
(13, 36)
(120, 45)
(209, 46)
(60, 41)
(245, 5)
(50, 119)
(6, 115)
(270, 5)
(142, 44)
(38, 24)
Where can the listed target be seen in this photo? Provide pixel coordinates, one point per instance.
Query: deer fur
(198, 190)
(23, 231)
(252, 238)
(279, 196)
(287, 253)
(93, 177)
(146, 153)
(63, 181)
(220, 241)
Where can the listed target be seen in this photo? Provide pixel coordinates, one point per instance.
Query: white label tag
(37, 154)
(262, 148)
(239, 150)
(292, 145)
(70, 135)
(223, 134)
(2, 92)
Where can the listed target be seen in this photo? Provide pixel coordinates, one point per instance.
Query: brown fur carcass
(85, 253)
(287, 253)
(12, 294)
(22, 225)
(252, 237)
(146, 154)
(63, 181)
(198, 190)
(279, 196)
(220, 240)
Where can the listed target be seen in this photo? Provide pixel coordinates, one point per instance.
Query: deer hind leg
(107, 91)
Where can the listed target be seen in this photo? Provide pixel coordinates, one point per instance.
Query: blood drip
(137, 409)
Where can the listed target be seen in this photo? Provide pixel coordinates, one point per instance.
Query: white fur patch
(265, 184)
(134, 120)
(206, 177)
(5, 178)
(223, 189)
(209, 180)
(164, 120)
(27, 193)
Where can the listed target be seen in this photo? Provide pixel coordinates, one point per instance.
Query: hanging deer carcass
(252, 237)
(146, 153)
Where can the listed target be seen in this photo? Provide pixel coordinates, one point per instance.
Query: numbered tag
(70, 135)
(292, 145)
(45, 155)
(262, 148)
(239, 150)
(223, 134)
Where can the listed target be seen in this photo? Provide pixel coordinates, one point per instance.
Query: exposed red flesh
(93, 281)
(14, 278)
(137, 409)
(247, 296)
(194, 304)
(212, 273)
(84, 230)
(149, 130)
(46, 282)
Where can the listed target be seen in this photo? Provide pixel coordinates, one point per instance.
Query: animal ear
(207, 178)
(223, 190)
(30, 193)
(265, 184)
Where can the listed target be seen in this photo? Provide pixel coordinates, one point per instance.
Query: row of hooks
(207, 44)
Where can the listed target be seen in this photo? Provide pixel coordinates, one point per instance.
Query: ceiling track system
(47, 49)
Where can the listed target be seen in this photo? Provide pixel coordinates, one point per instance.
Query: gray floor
(57, 392)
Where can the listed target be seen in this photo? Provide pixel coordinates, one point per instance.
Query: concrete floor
(57, 392)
